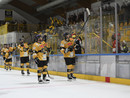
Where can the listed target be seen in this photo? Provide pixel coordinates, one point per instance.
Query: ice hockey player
(67, 49)
(3, 52)
(8, 56)
(40, 57)
(24, 56)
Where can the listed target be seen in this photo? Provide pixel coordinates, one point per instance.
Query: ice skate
(10, 68)
(28, 73)
(45, 80)
(40, 81)
(73, 77)
(22, 72)
(69, 77)
(7, 68)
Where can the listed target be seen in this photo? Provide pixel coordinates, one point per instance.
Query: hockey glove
(30, 51)
(66, 50)
(22, 44)
(10, 53)
(48, 49)
(4, 53)
(70, 48)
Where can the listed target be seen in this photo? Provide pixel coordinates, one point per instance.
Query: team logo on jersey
(41, 46)
(45, 44)
(69, 44)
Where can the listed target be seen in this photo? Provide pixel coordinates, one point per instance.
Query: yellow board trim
(120, 81)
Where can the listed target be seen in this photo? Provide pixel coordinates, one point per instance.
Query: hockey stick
(88, 12)
(49, 75)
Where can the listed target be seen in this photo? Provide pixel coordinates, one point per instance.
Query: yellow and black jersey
(3, 51)
(39, 51)
(47, 47)
(9, 53)
(24, 50)
(67, 48)
(11, 49)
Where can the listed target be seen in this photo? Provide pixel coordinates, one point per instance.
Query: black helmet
(65, 34)
(44, 38)
(10, 44)
(37, 37)
(20, 39)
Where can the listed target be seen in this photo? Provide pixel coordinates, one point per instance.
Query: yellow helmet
(74, 35)
(45, 33)
(35, 32)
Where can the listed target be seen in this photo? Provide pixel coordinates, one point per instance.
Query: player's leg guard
(39, 72)
(27, 66)
(69, 70)
(45, 73)
(10, 65)
(4, 64)
(7, 66)
(72, 71)
(22, 68)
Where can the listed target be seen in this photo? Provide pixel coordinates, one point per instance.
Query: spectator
(114, 43)
(124, 47)
(73, 19)
(78, 42)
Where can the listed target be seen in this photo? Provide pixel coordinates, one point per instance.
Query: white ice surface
(13, 85)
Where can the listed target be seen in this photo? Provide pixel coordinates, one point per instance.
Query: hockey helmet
(65, 34)
(74, 35)
(44, 37)
(37, 37)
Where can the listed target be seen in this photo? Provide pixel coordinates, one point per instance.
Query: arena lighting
(4, 1)
(56, 2)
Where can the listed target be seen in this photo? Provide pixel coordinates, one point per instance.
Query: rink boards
(112, 68)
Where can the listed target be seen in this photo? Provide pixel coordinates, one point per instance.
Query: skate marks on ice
(16, 85)
(3, 93)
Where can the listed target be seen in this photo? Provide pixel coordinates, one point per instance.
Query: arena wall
(112, 68)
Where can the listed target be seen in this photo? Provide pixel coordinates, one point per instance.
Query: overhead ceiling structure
(42, 9)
